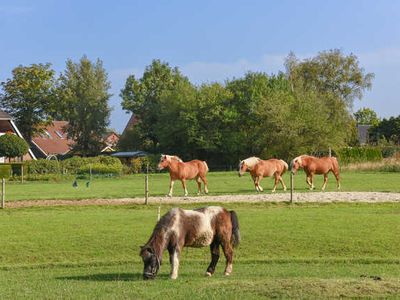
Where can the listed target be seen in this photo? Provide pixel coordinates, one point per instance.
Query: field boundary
(308, 197)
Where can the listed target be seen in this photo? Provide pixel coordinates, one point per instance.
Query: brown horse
(209, 226)
(179, 170)
(314, 165)
(259, 168)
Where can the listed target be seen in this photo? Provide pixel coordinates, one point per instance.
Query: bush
(99, 168)
(44, 166)
(5, 171)
(359, 154)
(12, 146)
(390, 151)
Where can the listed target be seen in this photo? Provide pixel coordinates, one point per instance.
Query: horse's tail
(285, 166)
(235, 229)
(205, 164)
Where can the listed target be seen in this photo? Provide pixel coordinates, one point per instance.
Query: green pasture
(219, 183)
(300, 251)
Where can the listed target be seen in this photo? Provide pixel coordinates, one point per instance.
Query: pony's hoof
(208, 274)
(168, 195)
(227, 274)
(273, 191)
(173, 277)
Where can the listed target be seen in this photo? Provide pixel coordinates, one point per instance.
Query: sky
(207, 40)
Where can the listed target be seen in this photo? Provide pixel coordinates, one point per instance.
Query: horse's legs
(312, 181)
(276, 180)
(325, 181)
(184, 186)
(214, 248)
(283, 184)
(174, 261)
(198, 180)
(228, 251)
(337, 179)
(255, 183)
(258, 179)
(171, 188)
(308, 181)
(203, 178)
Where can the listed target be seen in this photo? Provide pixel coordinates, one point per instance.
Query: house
(110, 140)
(363, 135)
(7, 125)
(53, 140)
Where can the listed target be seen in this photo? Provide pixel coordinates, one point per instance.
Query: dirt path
(321, 197)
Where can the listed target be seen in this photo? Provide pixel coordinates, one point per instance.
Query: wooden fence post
(146, 185)
(3, 193)
(22, 173)
(291, 187)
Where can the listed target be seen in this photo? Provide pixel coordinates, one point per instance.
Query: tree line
(305, 108)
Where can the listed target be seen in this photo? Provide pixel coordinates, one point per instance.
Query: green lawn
(302, 251)
(219, 183)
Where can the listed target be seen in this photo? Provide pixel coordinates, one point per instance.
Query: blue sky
(208, 40)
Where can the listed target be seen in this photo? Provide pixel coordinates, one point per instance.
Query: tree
(83, 93)
(142, 97)
(389, 129)
(330, 72)
(366, 116)
(28, 97)
(12, 146)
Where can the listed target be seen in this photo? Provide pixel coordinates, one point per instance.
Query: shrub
(12, 146)
(44, 166)
(390, 151)
(359, 154)
(99, 168)
(5, 171)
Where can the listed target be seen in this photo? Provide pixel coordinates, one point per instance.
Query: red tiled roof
(54, 139)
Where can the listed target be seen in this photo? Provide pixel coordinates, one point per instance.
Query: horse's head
(164, 161)
(296, 164)
(242, 167)
(151, 262)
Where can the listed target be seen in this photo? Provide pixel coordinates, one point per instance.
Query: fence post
(90, 172)
(291, 187)
(146, 185)
(3, 193)
(22, 173)
(330, 151)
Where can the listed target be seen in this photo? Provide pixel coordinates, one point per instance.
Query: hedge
(359, 154)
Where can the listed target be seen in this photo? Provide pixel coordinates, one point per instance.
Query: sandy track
(319, 197)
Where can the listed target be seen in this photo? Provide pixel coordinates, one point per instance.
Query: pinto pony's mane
(250, 162)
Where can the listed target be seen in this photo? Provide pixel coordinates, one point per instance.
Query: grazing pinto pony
(314, 165)
(259, 168)
(209, 226)
(179, 170)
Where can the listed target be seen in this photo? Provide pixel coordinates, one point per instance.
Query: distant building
(53, 140)
(7, 125)
(110, 140)
(363, 136)
(131, 123)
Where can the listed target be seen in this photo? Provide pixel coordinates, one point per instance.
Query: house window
(59, 134)
(48, 134)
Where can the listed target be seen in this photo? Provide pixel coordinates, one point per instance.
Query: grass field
(219, 183)
(301, 251)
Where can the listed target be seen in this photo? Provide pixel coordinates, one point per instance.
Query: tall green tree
(366, 116)
(330, 72)
(28, 97)
(142, 97)
(389, 129)
(83, 92)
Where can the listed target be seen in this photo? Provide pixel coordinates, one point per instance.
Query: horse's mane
(251, 161)
(174, 157)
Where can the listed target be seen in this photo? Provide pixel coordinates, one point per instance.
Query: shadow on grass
(110, 277)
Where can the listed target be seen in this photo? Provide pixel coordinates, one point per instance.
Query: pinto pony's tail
(205, 164)
(235, 229)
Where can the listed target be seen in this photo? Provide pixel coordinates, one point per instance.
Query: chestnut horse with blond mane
(314, 165)
(259, 168)
(179, 170)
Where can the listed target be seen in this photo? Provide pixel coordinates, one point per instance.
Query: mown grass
(219, 183)
(301, 251)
